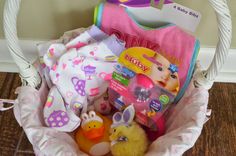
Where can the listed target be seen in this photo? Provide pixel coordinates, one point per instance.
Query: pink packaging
(134, 82)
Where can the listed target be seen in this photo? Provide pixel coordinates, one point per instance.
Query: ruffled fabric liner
(184, 123)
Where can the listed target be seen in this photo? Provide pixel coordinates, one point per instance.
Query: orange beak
(95, 133)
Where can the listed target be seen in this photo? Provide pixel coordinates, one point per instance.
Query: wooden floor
(217, 139)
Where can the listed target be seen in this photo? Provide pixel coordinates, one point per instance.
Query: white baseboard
(228, 71)
(227, 74)
(7, 64)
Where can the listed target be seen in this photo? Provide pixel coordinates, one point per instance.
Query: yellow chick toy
(127, 137)
(93, 135)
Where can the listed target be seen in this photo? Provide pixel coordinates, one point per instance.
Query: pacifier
(141, 87)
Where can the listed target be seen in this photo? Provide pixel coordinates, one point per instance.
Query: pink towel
(179, 47)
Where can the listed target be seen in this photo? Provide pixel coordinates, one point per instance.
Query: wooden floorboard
(218, 137)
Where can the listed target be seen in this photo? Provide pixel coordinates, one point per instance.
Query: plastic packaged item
(146, 80)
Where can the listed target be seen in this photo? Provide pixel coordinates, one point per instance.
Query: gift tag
(171, 12)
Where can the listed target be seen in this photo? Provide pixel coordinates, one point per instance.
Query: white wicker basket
(30, 76)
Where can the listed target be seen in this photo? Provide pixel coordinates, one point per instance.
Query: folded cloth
(75, 38)
(55, 51)
(57, 115)
(79, 72)
(179, 47)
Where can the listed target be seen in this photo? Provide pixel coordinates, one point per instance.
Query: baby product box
(145, 79)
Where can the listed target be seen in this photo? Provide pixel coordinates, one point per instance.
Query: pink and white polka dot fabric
(79, 72)
(56, 113)
(58, 119)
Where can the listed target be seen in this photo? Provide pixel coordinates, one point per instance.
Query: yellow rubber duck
(93, 135)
